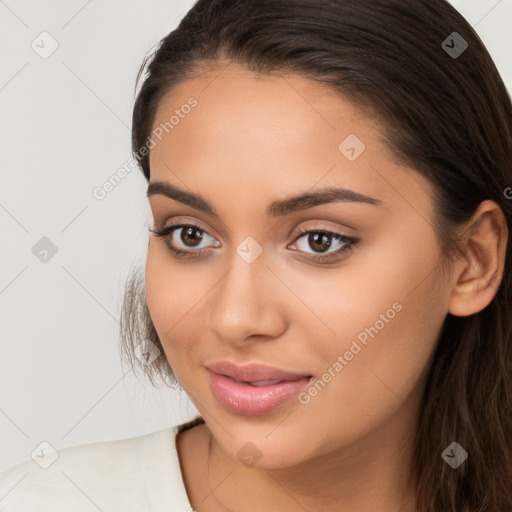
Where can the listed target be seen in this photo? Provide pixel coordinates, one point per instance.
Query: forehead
(234, 104)
(269, 134)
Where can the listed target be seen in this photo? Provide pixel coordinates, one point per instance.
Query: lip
(253, 372)
(231, 386)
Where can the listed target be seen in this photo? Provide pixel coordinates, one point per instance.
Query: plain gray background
(65, 129)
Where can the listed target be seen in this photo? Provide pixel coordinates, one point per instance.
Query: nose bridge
(241, 306)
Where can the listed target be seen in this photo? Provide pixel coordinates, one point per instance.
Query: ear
(479, 272)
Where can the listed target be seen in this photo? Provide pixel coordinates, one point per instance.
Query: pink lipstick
(254, 389)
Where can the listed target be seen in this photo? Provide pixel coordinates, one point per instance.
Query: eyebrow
(276, 209)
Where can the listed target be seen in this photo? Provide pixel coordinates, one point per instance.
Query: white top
(139, 474)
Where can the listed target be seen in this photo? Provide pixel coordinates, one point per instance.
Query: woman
(328, 271)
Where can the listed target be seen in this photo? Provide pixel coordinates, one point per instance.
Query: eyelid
(183, 219)
(322, 226)
(213, 224)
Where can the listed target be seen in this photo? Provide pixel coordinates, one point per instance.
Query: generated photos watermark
(304, 397)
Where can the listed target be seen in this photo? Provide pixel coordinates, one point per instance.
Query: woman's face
(363, 321)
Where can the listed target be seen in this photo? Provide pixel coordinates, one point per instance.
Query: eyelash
(349, 242)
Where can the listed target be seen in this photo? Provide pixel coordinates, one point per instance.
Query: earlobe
(480, 271)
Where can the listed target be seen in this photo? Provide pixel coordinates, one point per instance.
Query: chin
(256, 449)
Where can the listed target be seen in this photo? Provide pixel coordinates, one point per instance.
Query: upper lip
(253, 372)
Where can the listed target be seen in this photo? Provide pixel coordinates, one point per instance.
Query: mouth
(258, 374)
(251, 394)
(258, 382)
(262, 383)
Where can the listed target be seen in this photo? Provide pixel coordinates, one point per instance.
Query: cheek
(387, 286)
(386, 318)
(177, 297)
(170, 296)
(374, 378)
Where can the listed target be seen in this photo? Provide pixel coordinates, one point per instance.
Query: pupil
(190, 231)
(314, 241)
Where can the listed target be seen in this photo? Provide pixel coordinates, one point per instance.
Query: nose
(247, 302)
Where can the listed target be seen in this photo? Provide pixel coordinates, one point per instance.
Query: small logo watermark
(249, 454)
(249, 249)
(44, 455)
(454, 455)
(44, 45)
(351, 147)
(44, 250)
(146, 352)
(454, 45)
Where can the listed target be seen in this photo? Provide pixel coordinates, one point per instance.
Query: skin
(252, 140)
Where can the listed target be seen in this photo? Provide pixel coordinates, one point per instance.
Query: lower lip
(250, 400)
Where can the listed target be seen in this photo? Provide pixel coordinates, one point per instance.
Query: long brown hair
(447, 114)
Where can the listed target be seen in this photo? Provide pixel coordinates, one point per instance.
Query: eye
(189, 240)
(321, 241)
(187, 235)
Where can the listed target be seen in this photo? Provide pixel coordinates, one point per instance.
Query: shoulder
(112, 475)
